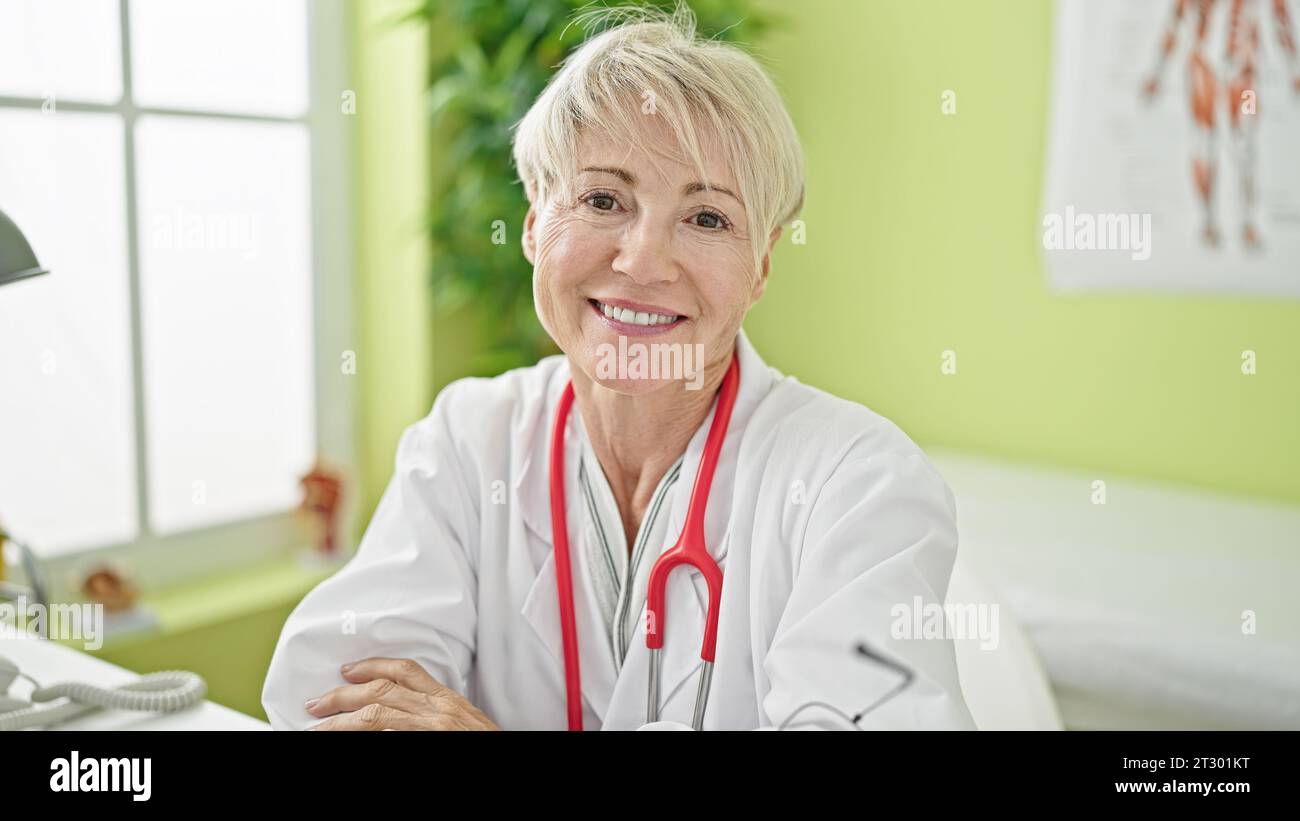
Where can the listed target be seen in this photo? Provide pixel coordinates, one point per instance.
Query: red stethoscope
(690, 549)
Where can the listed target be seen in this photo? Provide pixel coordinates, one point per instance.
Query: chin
(629, 387)
(635, 367)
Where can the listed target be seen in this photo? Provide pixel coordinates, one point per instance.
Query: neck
(637, 438)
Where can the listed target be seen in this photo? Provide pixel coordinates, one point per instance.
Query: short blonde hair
(648, 57)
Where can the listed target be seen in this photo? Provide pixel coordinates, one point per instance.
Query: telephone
(167, 692)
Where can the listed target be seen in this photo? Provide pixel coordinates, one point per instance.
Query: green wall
(408, 348)
(923, 235)
(393, 314)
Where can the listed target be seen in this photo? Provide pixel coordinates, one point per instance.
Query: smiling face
(639, 246)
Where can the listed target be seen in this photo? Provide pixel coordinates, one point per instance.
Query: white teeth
(629, 317)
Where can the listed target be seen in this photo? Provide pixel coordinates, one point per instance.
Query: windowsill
(194, 605)
(200, 603)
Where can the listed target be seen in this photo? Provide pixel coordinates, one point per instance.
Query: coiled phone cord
(163, 692)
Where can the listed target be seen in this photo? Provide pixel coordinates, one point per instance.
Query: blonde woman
(508, 577)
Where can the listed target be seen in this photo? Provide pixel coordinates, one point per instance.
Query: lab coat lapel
(596, 661)
(531, 463)
(541, 607)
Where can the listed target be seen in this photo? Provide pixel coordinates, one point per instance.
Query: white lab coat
(824, 517)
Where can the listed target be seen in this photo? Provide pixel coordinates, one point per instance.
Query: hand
(395, 694)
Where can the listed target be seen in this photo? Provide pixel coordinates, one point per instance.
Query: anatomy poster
(1174, 153)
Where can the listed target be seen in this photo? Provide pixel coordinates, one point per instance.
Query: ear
(528, 238)
(766, 263)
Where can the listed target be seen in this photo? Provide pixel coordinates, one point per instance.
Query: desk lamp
(18, 261)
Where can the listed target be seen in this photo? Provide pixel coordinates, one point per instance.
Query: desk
(51, 663)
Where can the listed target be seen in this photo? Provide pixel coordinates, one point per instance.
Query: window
(176, 166)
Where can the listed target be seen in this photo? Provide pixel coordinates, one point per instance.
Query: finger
(405, 672)
(382, 691)
(371, 717)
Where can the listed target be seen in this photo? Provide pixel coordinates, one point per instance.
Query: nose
(645, 253)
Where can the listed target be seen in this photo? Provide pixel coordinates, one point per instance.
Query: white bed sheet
(1137, 607)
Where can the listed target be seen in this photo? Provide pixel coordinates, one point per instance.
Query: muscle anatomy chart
(1181, 117)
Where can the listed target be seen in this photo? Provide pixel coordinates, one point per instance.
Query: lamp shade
(17, 260)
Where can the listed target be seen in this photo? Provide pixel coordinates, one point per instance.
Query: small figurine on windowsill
(111, 587)
(322, 500)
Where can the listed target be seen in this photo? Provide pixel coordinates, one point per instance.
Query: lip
(627, 329)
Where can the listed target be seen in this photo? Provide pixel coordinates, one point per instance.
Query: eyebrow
(697, 187)
(689, 188)
(617, 172)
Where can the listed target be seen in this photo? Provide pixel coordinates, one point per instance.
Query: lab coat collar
(685, 604)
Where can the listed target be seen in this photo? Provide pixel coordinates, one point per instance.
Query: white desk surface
(52, 663)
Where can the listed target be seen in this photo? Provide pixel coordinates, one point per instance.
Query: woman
(659, 169)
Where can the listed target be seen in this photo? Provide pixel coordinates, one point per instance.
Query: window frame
(156, 560)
